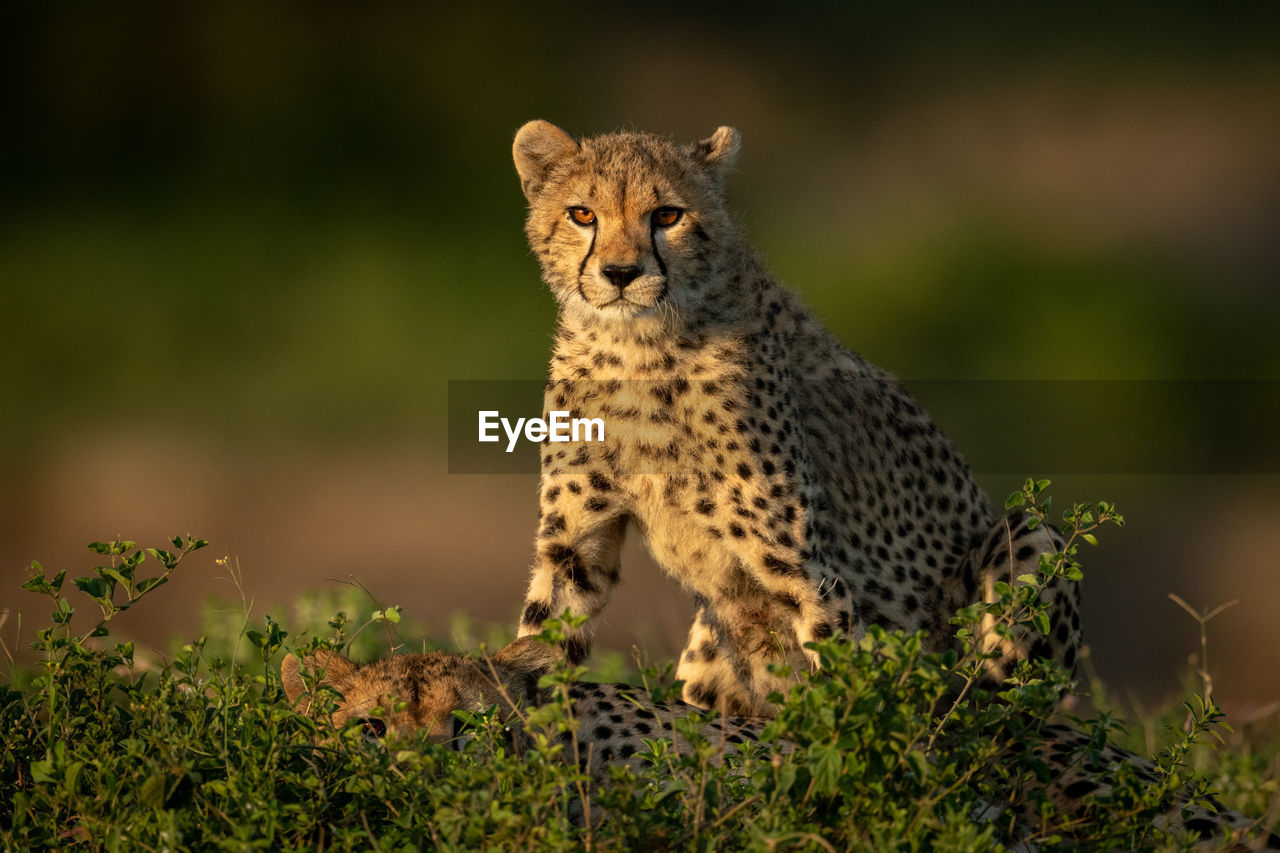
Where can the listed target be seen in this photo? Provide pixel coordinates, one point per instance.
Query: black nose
(620, 276)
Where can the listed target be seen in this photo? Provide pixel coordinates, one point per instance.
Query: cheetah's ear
(539, 144)
(336, 668)
(720, 150)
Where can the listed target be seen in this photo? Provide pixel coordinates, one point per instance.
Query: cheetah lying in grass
(618, 722)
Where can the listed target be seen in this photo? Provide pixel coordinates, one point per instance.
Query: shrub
(888, 747)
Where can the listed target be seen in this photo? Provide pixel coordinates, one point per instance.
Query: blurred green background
(243, 248)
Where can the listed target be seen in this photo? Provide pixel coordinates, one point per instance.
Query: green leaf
(122, 578)
(37, 585)
(145, 586)
(166, 558)
(42, 771)
(96, 588)
(1015, 499)
(824, 765)
(152, 792)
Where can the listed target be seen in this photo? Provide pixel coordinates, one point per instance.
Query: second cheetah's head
(625, 222)
(421, 691)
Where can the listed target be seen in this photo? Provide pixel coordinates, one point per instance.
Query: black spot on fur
(1202, 827)
(576, 650)
(1080, 788)
(703, 695)
(535, 613)
(778, 566)
(561, 555)
(580, 577)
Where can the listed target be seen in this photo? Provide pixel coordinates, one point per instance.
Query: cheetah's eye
(372, 728)
(665, 217)
(582, 216)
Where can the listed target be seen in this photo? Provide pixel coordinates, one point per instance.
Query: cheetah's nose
(620, 276)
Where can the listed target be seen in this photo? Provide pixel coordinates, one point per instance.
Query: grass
(103, 750)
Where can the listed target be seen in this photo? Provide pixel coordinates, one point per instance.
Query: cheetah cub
(792, 488)
(419, 693)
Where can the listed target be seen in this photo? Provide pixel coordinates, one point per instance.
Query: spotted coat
(792, 488)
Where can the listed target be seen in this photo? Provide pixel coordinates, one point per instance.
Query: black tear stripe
(653, 244)
(590, 248)
(582, 266)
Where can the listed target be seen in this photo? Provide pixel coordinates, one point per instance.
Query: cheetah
(614, 719)
(792, 488)
(419, 693)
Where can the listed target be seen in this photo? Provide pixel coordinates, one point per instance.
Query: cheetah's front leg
(728, 668)
(577, 562)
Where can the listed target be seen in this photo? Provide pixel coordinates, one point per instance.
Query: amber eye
(373, 728)
(581, 215)
(665, 217)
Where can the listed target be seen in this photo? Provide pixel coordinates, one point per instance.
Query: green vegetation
(894, 748)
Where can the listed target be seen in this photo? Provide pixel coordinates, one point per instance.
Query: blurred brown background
(243, 248)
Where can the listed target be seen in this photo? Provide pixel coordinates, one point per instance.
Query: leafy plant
(887, 747)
